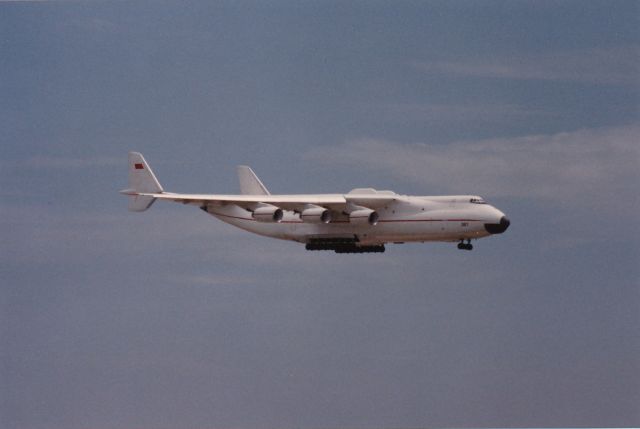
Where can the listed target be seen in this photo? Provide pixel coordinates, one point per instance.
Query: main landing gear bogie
(465, 246)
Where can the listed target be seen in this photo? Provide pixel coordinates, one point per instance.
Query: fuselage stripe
(343, 221)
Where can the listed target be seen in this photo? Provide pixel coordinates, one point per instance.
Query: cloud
(600, 163)
(600, 66)
(438, 113)
(217, 280)
(87, 234)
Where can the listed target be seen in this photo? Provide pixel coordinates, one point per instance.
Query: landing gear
(465, 246)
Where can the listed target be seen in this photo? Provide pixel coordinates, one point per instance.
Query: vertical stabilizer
(141, 180)
(249, 182)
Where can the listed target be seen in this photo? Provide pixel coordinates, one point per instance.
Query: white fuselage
(406, 219)
(360, 221)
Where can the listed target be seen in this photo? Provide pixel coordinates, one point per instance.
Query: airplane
(360, 221)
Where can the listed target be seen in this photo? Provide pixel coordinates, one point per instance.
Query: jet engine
(364, 215)
(268, 213)
(315, 214)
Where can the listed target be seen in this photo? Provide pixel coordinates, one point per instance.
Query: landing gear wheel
(465, 246)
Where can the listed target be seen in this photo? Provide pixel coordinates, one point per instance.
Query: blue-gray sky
(170, 318)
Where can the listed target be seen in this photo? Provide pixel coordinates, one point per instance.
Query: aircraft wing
(335, 202)
(144, 189)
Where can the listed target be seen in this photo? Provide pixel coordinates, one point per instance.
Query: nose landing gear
(465, 246)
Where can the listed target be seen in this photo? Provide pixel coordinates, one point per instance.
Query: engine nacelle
(315, 214)
(362, 216)
(268, 213)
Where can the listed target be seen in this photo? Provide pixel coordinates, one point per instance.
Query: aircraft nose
(498, 228)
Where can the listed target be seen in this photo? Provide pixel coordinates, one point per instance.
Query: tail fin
(141, 180)
(249, 182)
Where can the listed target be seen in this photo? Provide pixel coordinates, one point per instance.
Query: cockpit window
(477, 201)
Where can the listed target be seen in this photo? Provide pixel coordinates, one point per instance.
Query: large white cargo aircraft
(360, 221)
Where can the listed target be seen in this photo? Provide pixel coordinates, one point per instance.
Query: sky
(171, 318)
